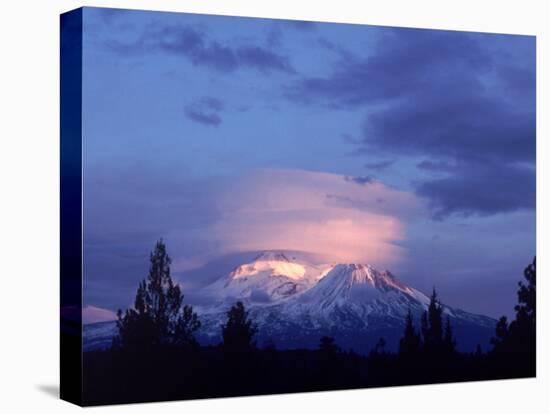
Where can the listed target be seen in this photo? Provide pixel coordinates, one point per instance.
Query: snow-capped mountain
(355, 303)
(294, 303)
(271, 277)
(360, 287)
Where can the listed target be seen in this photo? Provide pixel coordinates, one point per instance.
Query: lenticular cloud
(324, 213)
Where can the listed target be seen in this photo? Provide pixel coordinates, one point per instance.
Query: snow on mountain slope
(270, 278)
(294, 303)
(98, 335)
(347, 284)
(356, 304)
(354, 292)
(276, 264)
(349, 295)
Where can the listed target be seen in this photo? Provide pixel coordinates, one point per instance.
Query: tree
(478, 352)
(449, 342)
(238, 331)
(186, 326)
(330, 356)
(409, 344)
(432, 325)
(380, 347)
(525, 322)
(424, 327)
(501, 333)
(327, 346)
(516, 342)
(159, 316)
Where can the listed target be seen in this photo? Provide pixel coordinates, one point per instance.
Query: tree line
(156, 356)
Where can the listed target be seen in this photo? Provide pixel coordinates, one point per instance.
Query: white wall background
(29, 193)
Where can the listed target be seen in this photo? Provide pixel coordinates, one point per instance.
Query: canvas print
(257, 206)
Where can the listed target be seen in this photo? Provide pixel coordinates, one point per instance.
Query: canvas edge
(71, 387)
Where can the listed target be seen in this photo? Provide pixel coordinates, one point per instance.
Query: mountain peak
(270, 263)
(294, 300)
(353, 273)
(272, 256)
(345, 278)
(354, 267)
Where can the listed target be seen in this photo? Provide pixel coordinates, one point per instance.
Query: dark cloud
(465, 101)
(361, 180)
(459, 125)
(429, 165)
(481, 190)
(518, 82)
(263, 59)
(212, 103)
(379, 165)
(205, 111)
(194, 45)
(342, 52)
(301, 25)
(405, 61)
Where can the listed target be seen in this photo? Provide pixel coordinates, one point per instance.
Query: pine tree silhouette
(514, 343)
(409, 344)
(424, 326)
(159, 316)
(327, 346)
(432, 325)
(238, 331)
(380, 347)
(524, 326)
(478, 353)
(501, 334)
(449, 342)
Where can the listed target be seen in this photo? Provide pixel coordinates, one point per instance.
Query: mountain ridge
(294, 302)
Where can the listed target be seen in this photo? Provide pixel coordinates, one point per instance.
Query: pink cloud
(315, 212)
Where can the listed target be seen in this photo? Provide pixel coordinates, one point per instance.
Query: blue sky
(410, 149)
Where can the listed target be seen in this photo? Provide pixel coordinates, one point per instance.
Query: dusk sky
(411, 150)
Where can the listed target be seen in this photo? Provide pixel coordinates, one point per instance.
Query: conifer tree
(380, 347)
(424, 327)
(159, 316)
(238, 331)
(448, 338)
(525, 323)
(432, 325)
(516, 341)
(409, 344)
(501, 333)
(327, 346)
(478, 353)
